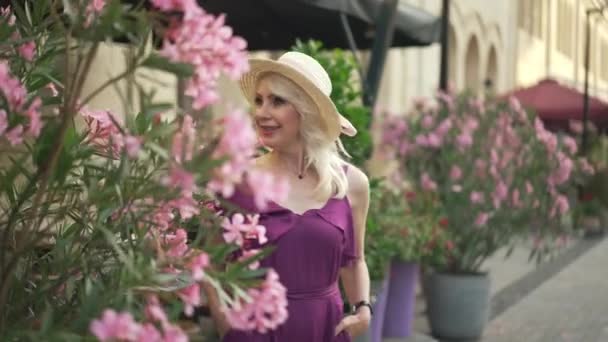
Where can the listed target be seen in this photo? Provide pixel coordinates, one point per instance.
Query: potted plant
(108, 223)
(492, 174)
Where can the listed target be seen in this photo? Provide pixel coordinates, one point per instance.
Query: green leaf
(158, 62)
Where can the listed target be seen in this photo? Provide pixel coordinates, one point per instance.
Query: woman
(318, 231)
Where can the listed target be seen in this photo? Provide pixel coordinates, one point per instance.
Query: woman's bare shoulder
(358, 183)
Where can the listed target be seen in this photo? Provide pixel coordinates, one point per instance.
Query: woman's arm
(355, 277)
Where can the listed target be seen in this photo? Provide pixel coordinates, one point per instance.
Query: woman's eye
(258, 101)
(278, 101)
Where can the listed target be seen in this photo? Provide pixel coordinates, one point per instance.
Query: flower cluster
(23, 118)
(104, 133)
(204, 42)
(479, 165)
(265, 309)
(121, 326)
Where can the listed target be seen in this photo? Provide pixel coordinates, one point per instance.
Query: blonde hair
(321, 154)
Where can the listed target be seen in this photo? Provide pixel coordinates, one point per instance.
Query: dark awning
(276, 24)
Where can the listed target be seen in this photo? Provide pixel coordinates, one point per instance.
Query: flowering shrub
(111, 229)
(489, 169)
(393, 232)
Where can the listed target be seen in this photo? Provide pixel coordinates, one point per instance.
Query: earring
(301, 166)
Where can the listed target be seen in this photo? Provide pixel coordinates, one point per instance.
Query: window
(537, 18)
(604, 61)
(530, 16)
(565, 28)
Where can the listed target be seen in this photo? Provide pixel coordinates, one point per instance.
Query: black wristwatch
(363, 303)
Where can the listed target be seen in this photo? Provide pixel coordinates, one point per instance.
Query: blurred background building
(501, 45)
(494, 46)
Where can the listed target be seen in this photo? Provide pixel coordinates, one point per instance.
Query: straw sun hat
(307, 73)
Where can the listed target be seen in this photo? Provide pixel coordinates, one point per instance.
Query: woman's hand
(356, 324)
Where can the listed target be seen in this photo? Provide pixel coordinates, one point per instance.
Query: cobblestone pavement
(565, 300)
(572, 306)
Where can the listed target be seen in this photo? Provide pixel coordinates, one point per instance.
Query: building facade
(501, 45)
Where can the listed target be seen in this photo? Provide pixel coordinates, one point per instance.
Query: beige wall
(110, 62)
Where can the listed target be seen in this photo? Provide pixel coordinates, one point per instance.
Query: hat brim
(334, 123)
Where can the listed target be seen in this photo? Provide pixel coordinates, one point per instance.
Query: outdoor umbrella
(276, 24)
(557, 104)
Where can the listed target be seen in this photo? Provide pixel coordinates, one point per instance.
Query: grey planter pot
(458, 305)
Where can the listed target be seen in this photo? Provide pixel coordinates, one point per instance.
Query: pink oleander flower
(529, 188)
(13, 90)
(191, 297)
(5, 12)
(515, 199)
(94, 8)
(162, 216)
(455, 173)
(583, 164)
(476, 197)
(27, 50)
(470, 125)
(267, 188)
(181, 179)
(444, 127)
(3, 121)
(427, 183)
(154, 311)
(115, 326)
(173, 333)
(238, 138)
(482, 219)
(570, 144)
(560, 206)
(186, 205)
(175, 5)
(234, 229)
(33, 113)
(15, 135)
(204, 42)
(197, 266)
(53, 89)
(103, 130)
(255, 230)
(576, 126)
(248, 254)
(428, 121)
(267, 309)
(132, 145)
(176, 244)
(237, 229)
(501, 192)
(563, 171)
(434, 140)
(237, 142)
(183, 140)
(149, 333)
(514, 104)
(96, 5)
(422, 140)
(464, 141)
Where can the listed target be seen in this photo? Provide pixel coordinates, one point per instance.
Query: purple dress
(309, 251)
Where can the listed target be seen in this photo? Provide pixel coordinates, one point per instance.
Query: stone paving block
(416, 337)
(570, 307)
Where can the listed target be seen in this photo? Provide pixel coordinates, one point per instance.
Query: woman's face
(277, 122)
